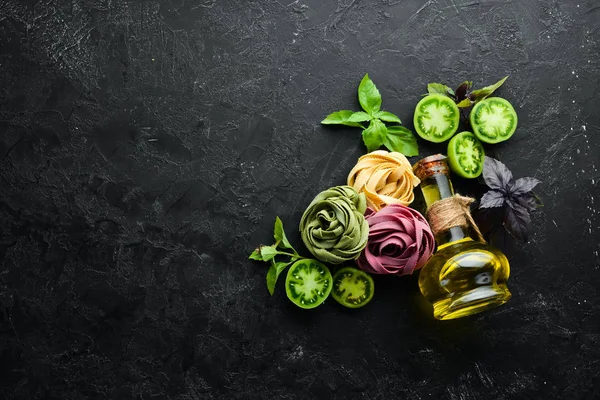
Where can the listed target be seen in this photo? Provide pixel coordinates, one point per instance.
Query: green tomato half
(493, 120)
(436, 118)
(308, 283)
(466, 155)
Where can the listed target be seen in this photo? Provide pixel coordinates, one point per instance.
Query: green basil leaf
(387, 117)
(275, 270)
(341, 118)
(360, 116)
(368, 96)
(268, 252)
(480, 94)
(465, 103)
(256, 255)
(373, 136)
(401, 140)
(439, 88)
(279, 234)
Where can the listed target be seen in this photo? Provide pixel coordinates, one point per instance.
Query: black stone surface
(147, 146)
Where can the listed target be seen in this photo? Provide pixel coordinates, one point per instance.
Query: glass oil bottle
(464, 276)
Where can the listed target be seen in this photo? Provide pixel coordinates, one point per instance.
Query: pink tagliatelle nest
(400, 241)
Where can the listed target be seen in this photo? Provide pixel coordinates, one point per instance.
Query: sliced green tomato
(466, 155)
(493, 120)
(352, 287)
(308, 283)
(436, 118)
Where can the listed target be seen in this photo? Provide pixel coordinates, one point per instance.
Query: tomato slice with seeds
(493, 120)
(308, 283)
(436, 118)
(466, 155)
(352, 287)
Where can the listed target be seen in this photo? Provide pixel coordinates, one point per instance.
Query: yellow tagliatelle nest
(385, 178)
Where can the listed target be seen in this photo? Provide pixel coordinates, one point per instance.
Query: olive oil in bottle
(464, 276)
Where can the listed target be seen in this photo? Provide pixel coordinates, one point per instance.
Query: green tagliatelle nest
(333, 227)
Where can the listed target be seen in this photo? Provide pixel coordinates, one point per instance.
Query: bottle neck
(438, 187)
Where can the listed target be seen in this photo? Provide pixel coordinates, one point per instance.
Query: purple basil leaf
(488, 219)
(516, 221)
(529, 201)
(523, 185)
(461, 91)
(492, 198)
(496, 175)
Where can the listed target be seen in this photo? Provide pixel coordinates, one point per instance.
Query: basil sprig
(281, 247)
(463, 95)
(376, 133)
(514, 197)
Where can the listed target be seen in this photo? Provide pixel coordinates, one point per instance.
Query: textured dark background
(147, 146)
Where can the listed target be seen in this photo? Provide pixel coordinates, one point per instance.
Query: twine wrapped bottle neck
(448, 214)
(452, 212)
